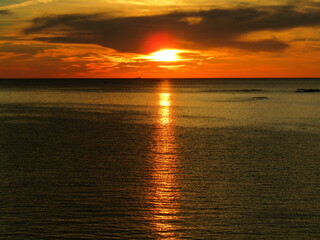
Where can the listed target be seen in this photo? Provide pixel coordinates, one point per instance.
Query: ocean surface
(159, 159)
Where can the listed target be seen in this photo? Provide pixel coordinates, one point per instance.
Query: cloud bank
(4, 12)
(25, 4)
(217, 28)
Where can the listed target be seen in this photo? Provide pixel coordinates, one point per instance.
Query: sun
(165, 55)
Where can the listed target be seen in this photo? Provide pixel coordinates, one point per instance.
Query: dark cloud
(194, 30)
(22, 49)
(4, 12)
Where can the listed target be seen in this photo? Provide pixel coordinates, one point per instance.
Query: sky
(159, 39)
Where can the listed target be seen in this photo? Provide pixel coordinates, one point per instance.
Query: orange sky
(126, 39)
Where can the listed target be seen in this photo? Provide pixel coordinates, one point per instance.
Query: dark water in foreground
(169, 159)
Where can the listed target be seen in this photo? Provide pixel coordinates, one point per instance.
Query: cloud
(192, 20)
(217, 28)
(171, 67)
(24, 48)
(4, 12)
(9, 55)
(24, 4)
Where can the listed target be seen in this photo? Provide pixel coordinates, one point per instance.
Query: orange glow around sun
(160, 47)
(159, 40)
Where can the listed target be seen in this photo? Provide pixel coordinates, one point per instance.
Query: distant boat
(307, 90)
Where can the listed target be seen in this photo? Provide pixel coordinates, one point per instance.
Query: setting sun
(167, 55)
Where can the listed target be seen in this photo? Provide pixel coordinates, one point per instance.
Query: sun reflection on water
(165, 99)
(164, 111)
(164, 195)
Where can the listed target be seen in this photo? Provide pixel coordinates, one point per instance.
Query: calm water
(159, 159)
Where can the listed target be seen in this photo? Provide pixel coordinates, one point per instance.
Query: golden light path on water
(164, 194)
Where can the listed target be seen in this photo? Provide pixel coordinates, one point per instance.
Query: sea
(159, 159)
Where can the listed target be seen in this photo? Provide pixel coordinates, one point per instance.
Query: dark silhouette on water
(307, 90)
(233, 90)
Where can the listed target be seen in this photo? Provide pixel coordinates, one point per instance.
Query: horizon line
(151, 78)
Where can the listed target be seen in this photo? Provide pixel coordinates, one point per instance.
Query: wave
(232, 90)
(246, 99)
